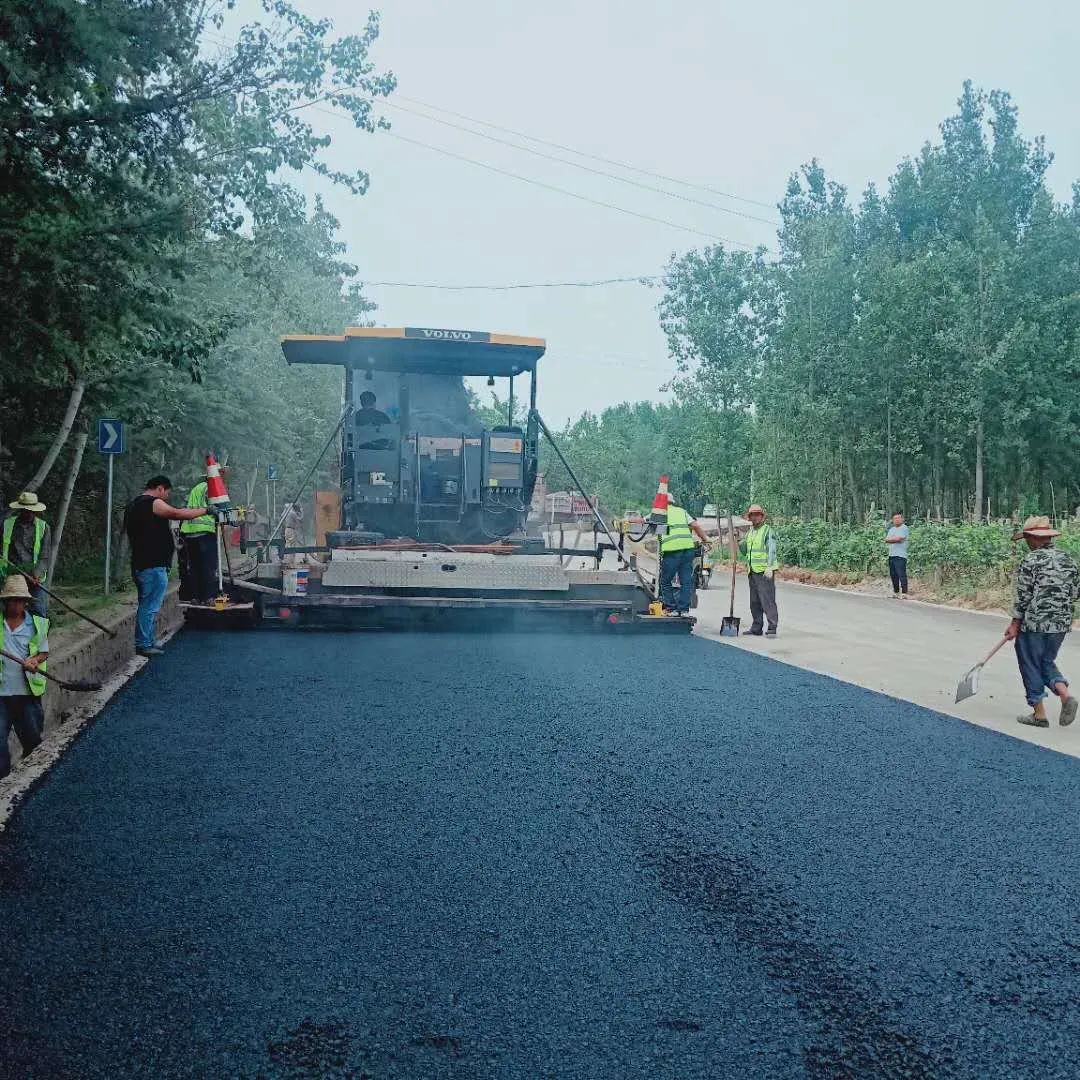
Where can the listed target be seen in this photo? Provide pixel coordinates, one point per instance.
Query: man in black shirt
(146, 522)
(368, 416)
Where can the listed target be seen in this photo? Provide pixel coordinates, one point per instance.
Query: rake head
(80, 685)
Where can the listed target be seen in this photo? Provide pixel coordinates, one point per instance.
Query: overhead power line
(591, 157)
(585, 168)
(643, 279)
(567, 191)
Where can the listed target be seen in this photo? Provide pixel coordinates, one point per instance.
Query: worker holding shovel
(1047, 588)
(759, 550)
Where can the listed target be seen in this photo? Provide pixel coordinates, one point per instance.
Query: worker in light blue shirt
(25, 638)
(897, 541)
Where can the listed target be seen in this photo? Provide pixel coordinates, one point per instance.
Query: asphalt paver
(463, 855)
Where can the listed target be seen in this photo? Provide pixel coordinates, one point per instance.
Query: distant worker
(257, 528)
(26, 637)
(27, 543)
(200, 540)
(146, 522)
(897, 540)
(759, 550)
(1047, 588)
(677, 556)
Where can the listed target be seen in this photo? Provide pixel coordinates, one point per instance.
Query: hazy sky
(733, 96)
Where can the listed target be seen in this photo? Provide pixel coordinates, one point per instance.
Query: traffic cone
(658, 516)
(216, 495)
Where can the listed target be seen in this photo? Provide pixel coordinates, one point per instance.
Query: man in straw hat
(26, 541)
(759, 550)
(25, 637)
(1047, 587)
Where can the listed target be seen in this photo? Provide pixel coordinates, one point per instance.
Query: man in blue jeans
(1047, 588)
(146, 522)
(677, 556)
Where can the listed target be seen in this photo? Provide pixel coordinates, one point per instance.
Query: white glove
(769, 573)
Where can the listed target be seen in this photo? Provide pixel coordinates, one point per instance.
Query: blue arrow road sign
(271, 472)
(110, 436)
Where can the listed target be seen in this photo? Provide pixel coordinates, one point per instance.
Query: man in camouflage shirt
(1047, 587)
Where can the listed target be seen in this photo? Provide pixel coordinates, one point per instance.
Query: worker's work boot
(771, 632)
(152, 651)
(1068, 711)
(1031, 720)
(755, 631)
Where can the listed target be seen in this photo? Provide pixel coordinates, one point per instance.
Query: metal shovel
(729, 626)
(969, 684)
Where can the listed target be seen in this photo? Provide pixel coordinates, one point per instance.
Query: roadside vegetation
(915, 347)
(153, 244)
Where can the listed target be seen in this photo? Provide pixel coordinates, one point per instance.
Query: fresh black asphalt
(459, 855)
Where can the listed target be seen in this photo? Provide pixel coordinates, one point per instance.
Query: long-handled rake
(60, 600)
(82, 685)
(969, 684)
(729, 625)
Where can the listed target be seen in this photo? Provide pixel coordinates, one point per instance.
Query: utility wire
(567, 191)
(643, 279)
(585, 168)
(584, 154)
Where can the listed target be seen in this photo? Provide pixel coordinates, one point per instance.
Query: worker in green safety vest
(759, 550)
(26, 543)
(677, 555)
(25, 637)
(199, 558)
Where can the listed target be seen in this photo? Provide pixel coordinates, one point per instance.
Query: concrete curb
(92, 655)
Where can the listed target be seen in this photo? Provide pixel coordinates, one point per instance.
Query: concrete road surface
(444, 855)
(911, 650)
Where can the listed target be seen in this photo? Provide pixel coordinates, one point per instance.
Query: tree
(123, 147)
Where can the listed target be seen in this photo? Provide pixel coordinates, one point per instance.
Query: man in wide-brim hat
(759, 550)
(26, 638)
(1047, 588)
(26, 543)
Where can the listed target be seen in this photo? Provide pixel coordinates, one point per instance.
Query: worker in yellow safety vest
(26, 542)
(26, 638)
(199, 558)
(677, 556)
(759, 550)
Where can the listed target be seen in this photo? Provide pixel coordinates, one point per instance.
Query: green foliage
(917, 348)
(150, 243)
(125, 146)
(621, 453)
(950, 549)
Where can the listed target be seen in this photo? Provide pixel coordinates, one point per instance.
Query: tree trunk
(888, 450)
(65, 500)
(74, 401)
(977, 514)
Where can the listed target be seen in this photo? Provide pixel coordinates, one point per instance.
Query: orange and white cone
(216, 495)
(658, 516)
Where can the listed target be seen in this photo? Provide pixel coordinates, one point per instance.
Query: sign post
(271, 480)
(110, 442)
